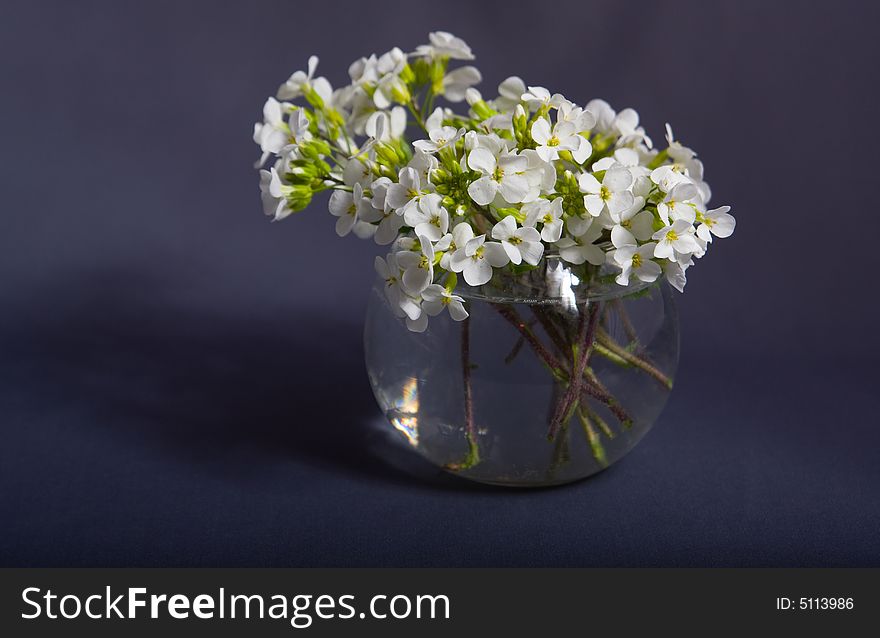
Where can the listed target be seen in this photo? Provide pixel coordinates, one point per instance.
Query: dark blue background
(181, 382)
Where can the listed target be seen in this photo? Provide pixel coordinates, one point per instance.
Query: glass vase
(555, 375)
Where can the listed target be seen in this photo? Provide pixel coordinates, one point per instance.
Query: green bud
(386, 154)
(659, 159)
(313, 98)
(421, 71)
(517, 214)
(436, 73)
(407, 74)
(298, 197)
(482, 110)
(399, 91)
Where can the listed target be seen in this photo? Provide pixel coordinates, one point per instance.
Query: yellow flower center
(553, 141)
(636, 260)
(498, 174)
(671, 235)
(604, 193)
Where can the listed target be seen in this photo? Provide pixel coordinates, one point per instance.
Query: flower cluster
(521, 175)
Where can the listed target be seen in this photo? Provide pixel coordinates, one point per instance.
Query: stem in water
(473, 455)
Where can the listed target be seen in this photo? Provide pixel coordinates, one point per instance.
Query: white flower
(444, 44)
(538, 96)
(635, 225)
(385, 126)
(392, 61)
(456, 83)
(418, 266)
(582, 119)
(667, 176)
(389, 90)
(389, 270)
(419, 324)
(509, 94)
(364, 71)
(436, 298)
(612, 192)
(636, 260)
(440, 138)
(405, 194)
(453, 244)
(391, 222)
(429, 218)
(677, 238)
(580, 248)
(562, 137)
(541, 175)
(272, 192)
(677, 153)
(350, 208)
(675, 204)
(625, 157)
(675, 274)
(520, 244)
(300, 83)
(478, 260)
(502, 172)
(716, 222)
(423, 164)
(626, 125)
(357, 171)
(603, 115)
(271, 134)
(403, 304)
(549, 214)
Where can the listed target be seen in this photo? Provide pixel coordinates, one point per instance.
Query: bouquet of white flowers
(490, 195)
(516, 177)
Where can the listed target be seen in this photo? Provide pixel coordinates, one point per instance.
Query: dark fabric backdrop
(181, 382)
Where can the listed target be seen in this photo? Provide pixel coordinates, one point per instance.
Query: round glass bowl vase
(552, 377)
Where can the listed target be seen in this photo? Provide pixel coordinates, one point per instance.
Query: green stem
(473, 455)
(593, 438)
(605, 340)
(625, 321)
(599, 421)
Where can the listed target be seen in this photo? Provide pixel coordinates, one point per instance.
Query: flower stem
(597, 391)
(561, 453)
(512, 317)
(598, 420)
(626, 322)
(473, 455)
(587, 323)
(546, 321)
(607, 342)
(593, 438)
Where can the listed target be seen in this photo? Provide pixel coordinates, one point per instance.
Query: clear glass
(511, 396)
